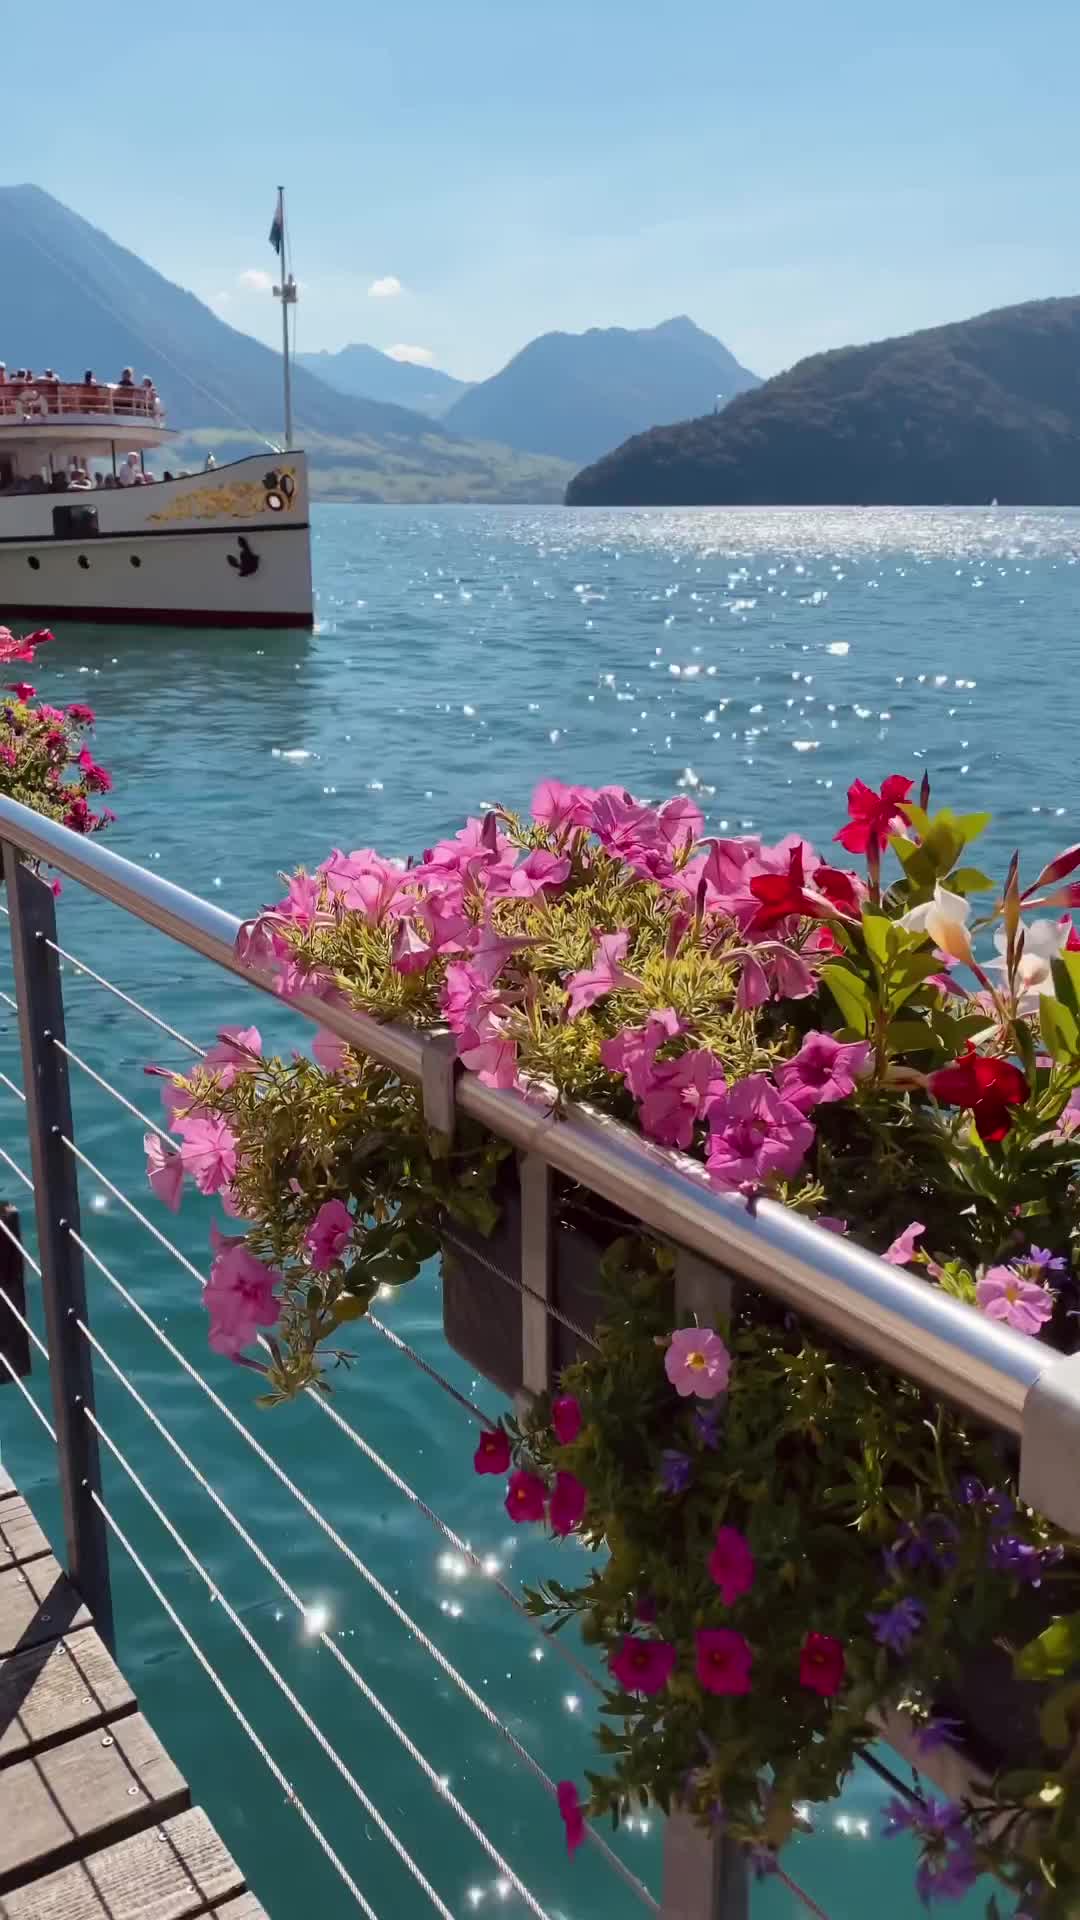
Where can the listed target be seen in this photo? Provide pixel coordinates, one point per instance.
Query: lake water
(760, 660)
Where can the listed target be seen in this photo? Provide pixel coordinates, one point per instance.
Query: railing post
(14, 1339)
(706, 1876)
(56, 1202)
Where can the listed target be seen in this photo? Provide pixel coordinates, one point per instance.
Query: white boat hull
(224, 548)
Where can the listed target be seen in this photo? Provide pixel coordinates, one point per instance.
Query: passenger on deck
(88, 378)
(127, 378)
(3, 374)
(129, 474)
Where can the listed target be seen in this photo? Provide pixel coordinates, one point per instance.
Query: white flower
(1044, 940)
(944, 920)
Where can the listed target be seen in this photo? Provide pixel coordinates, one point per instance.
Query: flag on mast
(277, 225)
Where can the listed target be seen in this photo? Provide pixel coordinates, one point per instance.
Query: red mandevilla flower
(991, 1088)
(873, 815)
(783, 896)
(822, 1664)
(493, 1452)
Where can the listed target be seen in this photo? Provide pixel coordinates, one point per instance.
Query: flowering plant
(44, 760)
(840, 1039)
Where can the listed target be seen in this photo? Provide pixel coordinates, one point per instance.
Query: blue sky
(793, 176)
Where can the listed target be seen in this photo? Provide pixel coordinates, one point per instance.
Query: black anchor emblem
(248, 563)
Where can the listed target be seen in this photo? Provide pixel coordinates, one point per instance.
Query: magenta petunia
(903, 1248)
(573, 1819)
(566, 1419)
(675, 1095)
(568, 1503)
(328, 1235)
(239, 1296)
(642, 1666)
(697, 1361)
(493, 1452)
(164, 1170)
(633, 1051)
(824, 1069)
(723, 1660)
(754, 1133)
(209, 1152)
(731, 1565)
(604, 976)
(526, 1496)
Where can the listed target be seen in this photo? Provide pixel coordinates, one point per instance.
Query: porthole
(83, 562)
(33, 561)
(135, 560)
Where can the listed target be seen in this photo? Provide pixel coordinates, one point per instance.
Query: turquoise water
(760, 659)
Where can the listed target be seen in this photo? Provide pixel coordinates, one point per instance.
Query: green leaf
(1066, 970)
(1060, 1028)
(851, 994)
(349, 1307)
(910, 1036)
(1060, 1717)
(970, 880)
(392, 1269)
(1052, 1653)
(876, 929)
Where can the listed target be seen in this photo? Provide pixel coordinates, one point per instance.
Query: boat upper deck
(27, 405)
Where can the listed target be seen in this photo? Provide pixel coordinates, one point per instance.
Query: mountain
(983, 409)
(576, 394)
(373, 375)
(73, 298)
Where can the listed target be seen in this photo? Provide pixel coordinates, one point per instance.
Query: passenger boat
(86, 533)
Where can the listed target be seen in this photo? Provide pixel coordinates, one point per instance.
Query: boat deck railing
(1014, 1383)
(35, 401)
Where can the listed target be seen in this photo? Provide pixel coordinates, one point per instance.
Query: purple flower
(902, 1251)
(900, 1816)
(970, 1491)
(1004, 1294)
(948, 1866)
(898, 1626)
(932, 1544)
(1010, 1555)
(1041, 1261)
(823, 1069)
(707, 1428)
(676, 1470)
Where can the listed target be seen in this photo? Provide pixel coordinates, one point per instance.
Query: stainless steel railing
(923, 1333)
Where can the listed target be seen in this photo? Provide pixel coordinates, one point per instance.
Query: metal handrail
(921, 1332)
(38, 400)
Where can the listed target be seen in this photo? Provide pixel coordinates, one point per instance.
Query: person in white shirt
(129, 472)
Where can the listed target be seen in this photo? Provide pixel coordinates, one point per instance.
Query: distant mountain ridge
(73, 298)
(576, 395)
(370, 374)
(981, 409)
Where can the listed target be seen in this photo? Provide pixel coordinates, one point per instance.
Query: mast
(286, 293)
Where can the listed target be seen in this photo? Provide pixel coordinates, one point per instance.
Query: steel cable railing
(260, 1746)
(324, 1640)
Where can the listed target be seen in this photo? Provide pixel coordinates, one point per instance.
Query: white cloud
(386, 288)
(416, 356)
(254, 280)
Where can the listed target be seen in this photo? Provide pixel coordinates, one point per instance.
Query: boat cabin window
(74, 523)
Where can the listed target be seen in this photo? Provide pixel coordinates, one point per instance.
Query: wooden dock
(96, 1823)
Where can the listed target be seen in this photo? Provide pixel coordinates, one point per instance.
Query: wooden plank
(245, 1908)
(169, 1872)
(88, 1793)
(37, 1603)
(7, 1484)
(54, 1691)
(20, 1536)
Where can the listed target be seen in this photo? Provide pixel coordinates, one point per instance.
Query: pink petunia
(754, 1133)
(209, 1152)
(822, 1664)
(468, 994)
(328, 1052)
(555, 805)
(364, 882)
(723, 1660)
(301, 902)
(573, 1819)
(632, 1051)
(568, 1503)
(697, 1361)
(328, 1235)
(1003, 1294)
(239, 1296)
(164, 1170)
(238, 1050)
(539, 872)
(566, 1419)
(903, 1248)
(492, 1452)
(754, 989)
(676, 1094)
(642, 1666)
(792, 978)
(731, 1565)
(824, 1069)
(605, 975)
(526, 1496)
(490, 1051)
